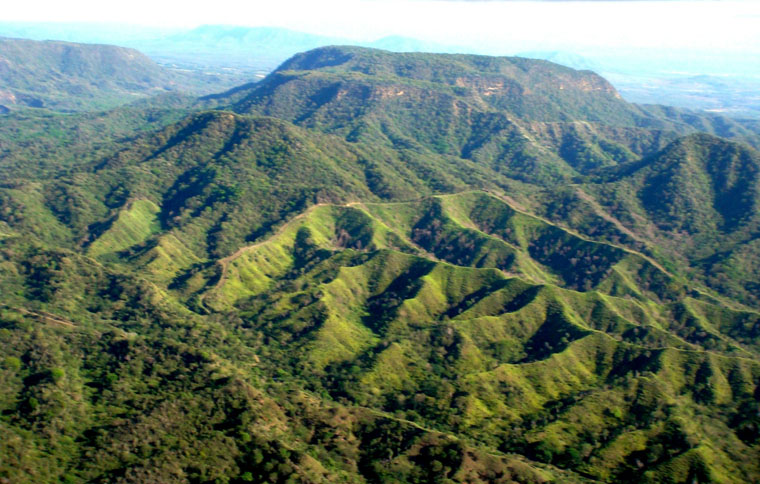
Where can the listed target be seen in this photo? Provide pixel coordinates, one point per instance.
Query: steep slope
(510, 364)
(347, 303)
(459, 229)
(695, 202)
(106, 379)
(505, 112)
(344, 281)
(700, 184)
(222, 179)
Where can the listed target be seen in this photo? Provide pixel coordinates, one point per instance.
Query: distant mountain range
(728, 83)
(67, 76)
(260, 48)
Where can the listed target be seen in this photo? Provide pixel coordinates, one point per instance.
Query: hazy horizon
(725, 26)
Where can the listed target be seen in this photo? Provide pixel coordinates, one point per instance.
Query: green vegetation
(70, 77)
(132, 226)
(380, 268)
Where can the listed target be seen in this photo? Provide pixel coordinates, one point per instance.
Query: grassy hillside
(380, 268)
(109, 380)
(339, 307)
(222, 179)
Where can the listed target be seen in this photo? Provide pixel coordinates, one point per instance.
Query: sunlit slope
(88, 349)
(496, 355)
(473, 229)
(221, 179)
(375, 267)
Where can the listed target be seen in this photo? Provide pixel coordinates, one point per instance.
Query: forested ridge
(377, 267)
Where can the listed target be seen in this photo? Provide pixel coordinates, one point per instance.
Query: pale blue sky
(717, 25)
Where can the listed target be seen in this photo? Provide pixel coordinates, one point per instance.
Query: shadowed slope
(535, 120)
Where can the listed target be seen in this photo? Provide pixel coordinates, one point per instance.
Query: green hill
(694, 202)
(375, 267)
(65, 76)
(538, 120)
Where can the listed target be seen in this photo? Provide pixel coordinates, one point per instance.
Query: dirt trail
(607, 216)
(619, 225)
(225, 261)
(47, 317)
(576, 234)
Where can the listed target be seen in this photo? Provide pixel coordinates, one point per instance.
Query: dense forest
(377, 267)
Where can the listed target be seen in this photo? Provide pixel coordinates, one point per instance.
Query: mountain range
(719, 81)
(65, 76)
(381, 267)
